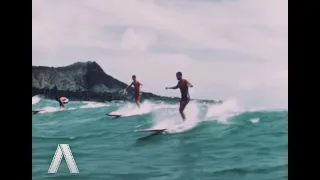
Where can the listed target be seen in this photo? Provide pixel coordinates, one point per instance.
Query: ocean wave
(212, 139)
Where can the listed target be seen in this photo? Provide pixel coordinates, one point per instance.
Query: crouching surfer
(62, 101)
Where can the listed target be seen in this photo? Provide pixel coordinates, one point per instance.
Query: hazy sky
(226, 48)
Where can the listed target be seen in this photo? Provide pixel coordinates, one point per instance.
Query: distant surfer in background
(137, 93)
(62, 101)
(183, 85)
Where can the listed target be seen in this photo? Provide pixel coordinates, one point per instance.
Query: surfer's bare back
(183, 85)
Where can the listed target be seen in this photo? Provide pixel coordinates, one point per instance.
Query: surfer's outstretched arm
(128, 86)
(174, 87)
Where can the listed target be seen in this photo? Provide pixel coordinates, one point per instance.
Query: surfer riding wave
(61, 100)
(183, 85)
(137, 93)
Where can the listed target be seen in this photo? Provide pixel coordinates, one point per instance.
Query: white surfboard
(114, 115)
(150, 130)
(36, 111)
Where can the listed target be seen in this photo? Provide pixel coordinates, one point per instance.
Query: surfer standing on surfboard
(61, 101)
(183, 85)
(137, 93)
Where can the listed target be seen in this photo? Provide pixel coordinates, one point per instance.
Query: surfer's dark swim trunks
(185, 98)
(137, 94)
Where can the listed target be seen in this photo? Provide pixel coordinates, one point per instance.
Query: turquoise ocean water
(217, 142)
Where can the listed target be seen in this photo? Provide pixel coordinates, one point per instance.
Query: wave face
(219, 142)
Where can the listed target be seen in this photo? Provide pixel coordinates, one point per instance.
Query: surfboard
(36, 111)
(114, 115)
(150, 130)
